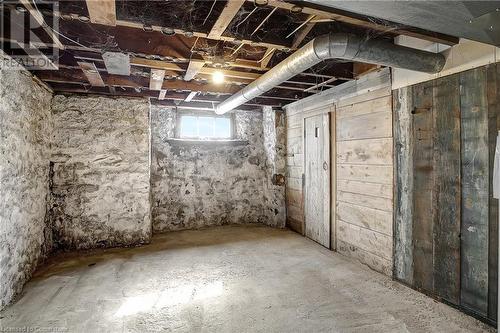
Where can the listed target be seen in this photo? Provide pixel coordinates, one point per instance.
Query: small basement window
(205, 127)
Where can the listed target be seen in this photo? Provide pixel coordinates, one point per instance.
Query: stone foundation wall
(100, 184)
(212, 183)
(25, 128)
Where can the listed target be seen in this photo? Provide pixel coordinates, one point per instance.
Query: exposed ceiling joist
(203, 70)
(71, 76)
(191, 95)
(91, 73)
(193, 69)
(199, 34)
(267, 58)
(302, 34)
(78, 87)
(324, 83)
(102, 11)
(156, 79)
(205, 35)
(225, 18)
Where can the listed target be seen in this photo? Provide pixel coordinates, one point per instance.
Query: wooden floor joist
(102, 11)
(225, 18)
(92, 74)
(193, 69)
(156, 79)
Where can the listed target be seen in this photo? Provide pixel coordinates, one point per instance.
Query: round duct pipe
(336, 46)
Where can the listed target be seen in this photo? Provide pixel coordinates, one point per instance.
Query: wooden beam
(324, 83)
(191, 95)
(156, 79)
(39, 19)
(193, 69)
(203, 70)
(91, 73)
(225, 18)
(309, 19)
(358, 20)
(264, 21)
(361, 68)
(72, 76)
(255, 42)
(102, 11)
(78, 87)
(267, 58)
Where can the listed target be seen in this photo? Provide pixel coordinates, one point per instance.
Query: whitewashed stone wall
(25, 128)
(198, 185)
(100, 185)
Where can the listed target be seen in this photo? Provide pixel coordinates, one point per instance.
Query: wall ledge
(193, 142)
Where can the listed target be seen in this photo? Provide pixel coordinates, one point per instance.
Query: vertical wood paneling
(423, 186)
(446, 200)
(493, 91)
(475, 176)
(445, 137)
(317, 179)
(403, 214)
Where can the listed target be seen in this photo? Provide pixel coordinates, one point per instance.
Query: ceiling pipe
(336, 46)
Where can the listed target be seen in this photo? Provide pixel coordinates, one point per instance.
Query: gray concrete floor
(224, 279)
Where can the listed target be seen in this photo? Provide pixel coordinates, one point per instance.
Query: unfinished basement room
(249, 166)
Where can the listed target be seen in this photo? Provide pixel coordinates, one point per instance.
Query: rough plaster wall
(197, 185)
(25, 127)
(275, 150)
(100, 184)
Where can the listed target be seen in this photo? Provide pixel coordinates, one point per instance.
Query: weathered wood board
(423, 195)
(403, 189)
(493, 88)
(317, 179)
(446, 220)
(475, 188)
(447, 198)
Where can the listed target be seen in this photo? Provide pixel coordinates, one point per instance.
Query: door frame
(329, 110)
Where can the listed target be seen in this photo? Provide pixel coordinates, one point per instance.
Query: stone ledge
(232, 142)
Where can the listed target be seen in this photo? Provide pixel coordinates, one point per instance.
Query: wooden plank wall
(294, 166)
(365, 178)
(445, 217)
(362, 181)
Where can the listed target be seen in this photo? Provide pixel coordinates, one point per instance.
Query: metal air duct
(336, 46)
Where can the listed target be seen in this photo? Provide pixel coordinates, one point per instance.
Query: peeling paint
(25, 127)
(197, 185)
(100, 191)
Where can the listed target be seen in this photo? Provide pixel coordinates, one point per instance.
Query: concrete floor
(224, 279)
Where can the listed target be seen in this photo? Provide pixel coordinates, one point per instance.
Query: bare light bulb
(218, 77)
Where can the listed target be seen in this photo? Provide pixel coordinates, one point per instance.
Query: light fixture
(218, 77)
(168, 31)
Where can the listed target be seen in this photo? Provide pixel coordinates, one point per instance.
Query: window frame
(181, 114)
